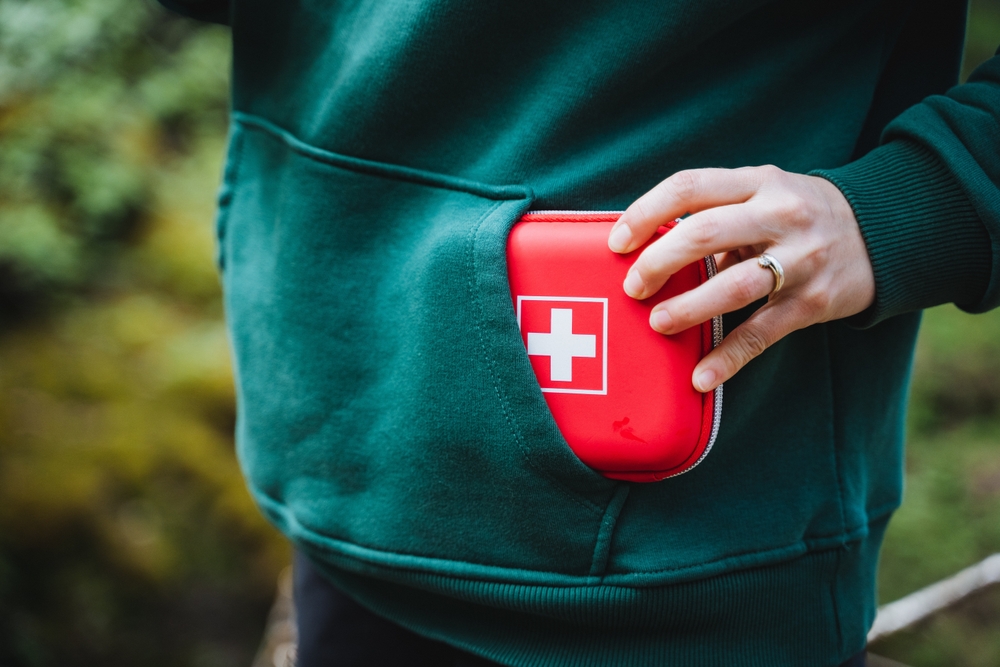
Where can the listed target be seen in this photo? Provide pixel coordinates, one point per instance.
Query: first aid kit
(620, 392)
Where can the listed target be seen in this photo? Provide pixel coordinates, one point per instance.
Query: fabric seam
(834, 599)
(782, 554)
(226, 197)
(515, 431)
(834, 440)
(837, 462)
(381, 169)
(605, 535)
(335, 546)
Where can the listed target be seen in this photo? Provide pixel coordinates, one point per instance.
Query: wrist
(925, 242)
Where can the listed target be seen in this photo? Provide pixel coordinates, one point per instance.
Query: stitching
(739, 554)
(585, 580)
(804, 542)
(518, 438)
(499, 194)
(228, 193)
(606, 532)
(332, 545)
(833, 428)
(380, 169)
(834, 597)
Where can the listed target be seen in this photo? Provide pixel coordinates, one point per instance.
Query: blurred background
(126, 534)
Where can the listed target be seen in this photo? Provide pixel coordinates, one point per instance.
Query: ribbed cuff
(926, 243)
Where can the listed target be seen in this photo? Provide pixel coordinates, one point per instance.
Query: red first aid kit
(619, 391)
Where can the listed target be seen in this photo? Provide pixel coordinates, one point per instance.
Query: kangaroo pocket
(770, 490)
(388, 412)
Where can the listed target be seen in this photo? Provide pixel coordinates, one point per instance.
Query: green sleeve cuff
(925, 240)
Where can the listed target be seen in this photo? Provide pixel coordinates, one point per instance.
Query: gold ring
(766, 261)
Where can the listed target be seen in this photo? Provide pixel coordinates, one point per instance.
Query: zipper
(575, 216)
(559, 211)
(711, 269)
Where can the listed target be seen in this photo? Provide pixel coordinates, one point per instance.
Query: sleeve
(214, 11)
(927, 200)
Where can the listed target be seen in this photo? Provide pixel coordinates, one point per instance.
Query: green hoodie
(389, 420)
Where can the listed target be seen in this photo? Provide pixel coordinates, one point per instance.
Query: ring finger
(730, 290)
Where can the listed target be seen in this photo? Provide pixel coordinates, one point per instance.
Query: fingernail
(633, 284)
(620, 237)
(661, 321)
(704, 381)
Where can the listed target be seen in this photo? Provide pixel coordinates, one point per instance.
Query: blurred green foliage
(963, 636)
(950, 518)
(126, 535)
(96, 96)
(982, 34)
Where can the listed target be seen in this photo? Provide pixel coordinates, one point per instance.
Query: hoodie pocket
(387, 408)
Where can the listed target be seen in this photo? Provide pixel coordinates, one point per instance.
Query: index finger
(685, 192)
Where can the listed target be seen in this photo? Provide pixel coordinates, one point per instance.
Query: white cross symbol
(561, 345)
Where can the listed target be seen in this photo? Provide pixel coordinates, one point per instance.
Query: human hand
(737, 214)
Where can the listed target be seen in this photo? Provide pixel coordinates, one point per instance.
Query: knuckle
(769, 172)
(705, 231)
(816, 301)
(643, 208)
(752, 343)
(743, 288)
(797, 210)
(815, 259)
(644, 262)
(684, 185)
(682, 310)
(648, 263)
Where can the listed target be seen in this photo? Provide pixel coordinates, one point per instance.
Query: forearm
(928, 203)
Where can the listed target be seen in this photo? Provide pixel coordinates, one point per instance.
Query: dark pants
(335, 631)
